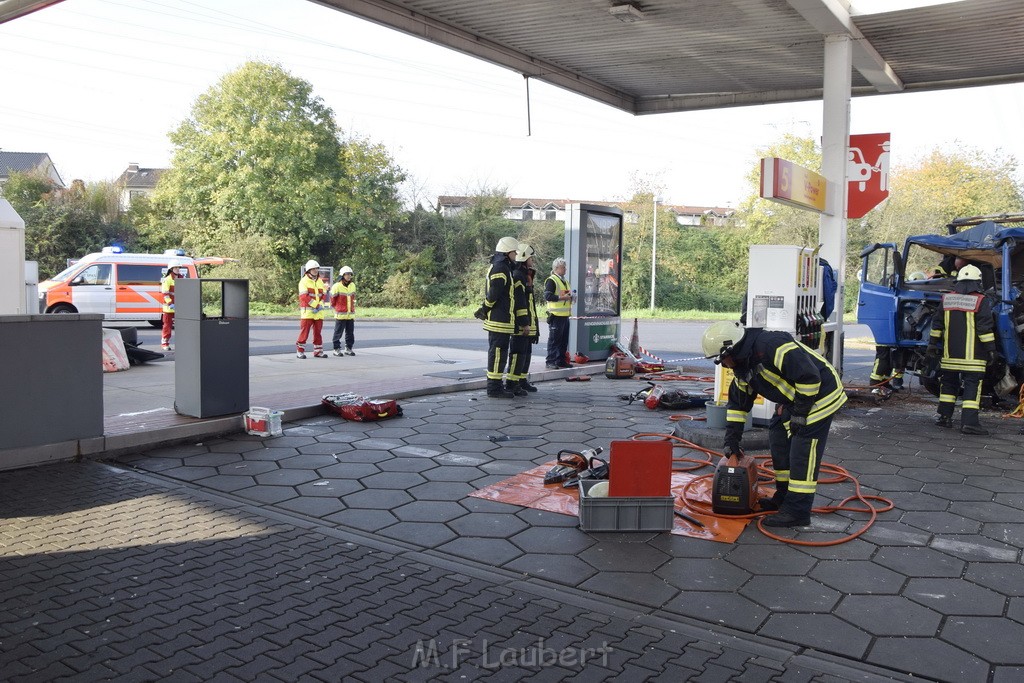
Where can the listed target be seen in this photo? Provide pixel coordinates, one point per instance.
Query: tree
(259, 157)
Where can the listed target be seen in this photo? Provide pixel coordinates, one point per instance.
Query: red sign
(867, 173)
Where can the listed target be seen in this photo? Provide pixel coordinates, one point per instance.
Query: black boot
(775, 502)
(525, 384)
(977, 430)
(513, 387)
(496, 389)
(795, 511)
(943, 421)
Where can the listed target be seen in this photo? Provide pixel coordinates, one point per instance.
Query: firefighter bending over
(962, 334)
(808, 392)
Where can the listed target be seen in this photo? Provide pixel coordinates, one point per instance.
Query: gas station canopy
(654, 56)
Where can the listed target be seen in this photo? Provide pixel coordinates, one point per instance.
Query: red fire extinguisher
(653, 399)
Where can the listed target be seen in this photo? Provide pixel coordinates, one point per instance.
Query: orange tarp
(528, 490)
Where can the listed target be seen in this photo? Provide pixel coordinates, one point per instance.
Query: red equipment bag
(360, 408)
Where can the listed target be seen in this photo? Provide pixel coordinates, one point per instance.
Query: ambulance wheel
(63, 309)
(155, 323)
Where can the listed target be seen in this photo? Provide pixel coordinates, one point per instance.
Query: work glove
(480, 313)
(171, 306)
(797, 423)
(733, 434)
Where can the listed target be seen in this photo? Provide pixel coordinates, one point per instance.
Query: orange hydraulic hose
(765, 474)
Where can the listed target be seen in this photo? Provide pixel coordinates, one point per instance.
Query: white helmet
(524, 252)
(345, 270)
(720, 337)
(969, 272)
(916, 275)
(507, 244)
(311, 265)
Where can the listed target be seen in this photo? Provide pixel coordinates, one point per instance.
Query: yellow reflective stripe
(742, 386)
(735, 416)
(781, 352)
(827, 405)
(947, 398)
(969, 346)
(808, 389)
(987, 337)
(963, 364)
(782, 385)
(781, 475)
(936, 334)
(796, 486)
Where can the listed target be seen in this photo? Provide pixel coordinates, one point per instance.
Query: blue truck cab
(901, 289)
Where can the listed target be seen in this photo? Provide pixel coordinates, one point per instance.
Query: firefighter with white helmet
(521, 346)
(312, 306)
(502, 317)
(963, 342)
(808, 391)
(343, 301)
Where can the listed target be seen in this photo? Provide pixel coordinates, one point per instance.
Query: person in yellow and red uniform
(312, 308)
(343, 301)
(521, 347)
(808, 392)
(962, 334)
(167, 317)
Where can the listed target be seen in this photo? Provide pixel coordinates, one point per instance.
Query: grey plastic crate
(629, 513)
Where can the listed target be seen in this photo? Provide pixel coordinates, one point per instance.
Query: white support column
(835, 140)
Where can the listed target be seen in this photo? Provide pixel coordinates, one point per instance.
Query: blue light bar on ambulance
(174, 252)
(116, 249)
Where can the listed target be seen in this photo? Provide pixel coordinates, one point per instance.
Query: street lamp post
(654, 249)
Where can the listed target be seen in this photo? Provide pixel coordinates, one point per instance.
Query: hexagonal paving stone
(441, 490)
(929, 657)
(392, 480)
(543, 518)
(419, 456)
(377, 499)
(488, 525)
(552, 540)
(1004, 577)
(707, 575)
(987, 511)
(289, 441)
(348, 470)
(955, 596)
(941, 522)
(852, 577)
(273, 454)
(454, 473)
(490, 551)
(227, 483)
(562, 569)
(376, 444)
(729, 609)
(975, 548)
(998, 484)
(269, 495)
(1012, 534)
(286, 477)
(422, 534)
(430, 511)
(609, 556)
(819, 631)
(234, 446)
(919, 562)
(313, 506)
(190, 473)
(995, 640)
(367, 520)
(249, 467)
(212, 459)
(889, 615)
(959, 492)
(329, 488)
(178, 451)
(339, 437)
(638, 587)
(307, 461)
(790, 594)
(771, 559)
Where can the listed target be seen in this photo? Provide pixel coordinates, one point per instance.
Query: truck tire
(156, 323)
(63, 309)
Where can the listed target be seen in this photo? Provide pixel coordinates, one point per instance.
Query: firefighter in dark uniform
(521, 347)
(501, 316)
(962, 334)
(808, 392)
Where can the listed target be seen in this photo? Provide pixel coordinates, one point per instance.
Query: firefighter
(343, 301)
(808, 392)
(962, 336)
(521, 347)
(312, 306)
(887, 372)
(501, 316)
(173, 272)
(559, 300)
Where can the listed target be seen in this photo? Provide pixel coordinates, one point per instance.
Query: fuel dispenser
(593, 250)
(783, 293)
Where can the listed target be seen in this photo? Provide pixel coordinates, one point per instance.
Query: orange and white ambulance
(120, 286)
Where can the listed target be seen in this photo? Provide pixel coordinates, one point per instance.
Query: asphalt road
(670, 340)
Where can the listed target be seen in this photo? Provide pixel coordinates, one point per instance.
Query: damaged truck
(901, 289)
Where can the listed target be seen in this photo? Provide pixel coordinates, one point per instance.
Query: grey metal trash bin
(211, 373)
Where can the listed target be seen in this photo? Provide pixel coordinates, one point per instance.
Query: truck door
(876, 305)
(93, 289)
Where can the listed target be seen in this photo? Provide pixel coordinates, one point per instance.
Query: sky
(98, 84)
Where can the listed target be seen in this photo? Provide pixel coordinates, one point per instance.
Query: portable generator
(734, 486)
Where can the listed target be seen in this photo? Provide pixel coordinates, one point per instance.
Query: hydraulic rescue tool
(734, 486)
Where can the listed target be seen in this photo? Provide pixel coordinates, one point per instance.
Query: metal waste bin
(211, 330)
